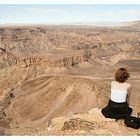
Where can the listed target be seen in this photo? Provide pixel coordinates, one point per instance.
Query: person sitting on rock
(118, 105)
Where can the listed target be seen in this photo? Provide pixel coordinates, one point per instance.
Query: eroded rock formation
(49, 72)
(39, 100)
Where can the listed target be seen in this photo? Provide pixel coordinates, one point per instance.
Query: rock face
(78, 124)
(55, 61)
(23, 41)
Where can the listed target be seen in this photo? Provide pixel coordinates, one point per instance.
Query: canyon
(56, 79)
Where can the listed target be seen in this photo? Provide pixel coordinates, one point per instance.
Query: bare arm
(128, 96)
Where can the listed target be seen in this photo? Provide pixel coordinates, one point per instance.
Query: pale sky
(68, 13)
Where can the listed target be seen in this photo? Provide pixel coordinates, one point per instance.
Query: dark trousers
(116, 110)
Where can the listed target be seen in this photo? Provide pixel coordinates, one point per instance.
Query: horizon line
(100, 23)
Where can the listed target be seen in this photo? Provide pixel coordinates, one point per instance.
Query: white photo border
(69, 1)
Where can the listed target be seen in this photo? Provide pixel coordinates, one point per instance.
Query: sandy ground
(90, 124)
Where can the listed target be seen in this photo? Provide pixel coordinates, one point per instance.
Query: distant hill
(134, 25)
